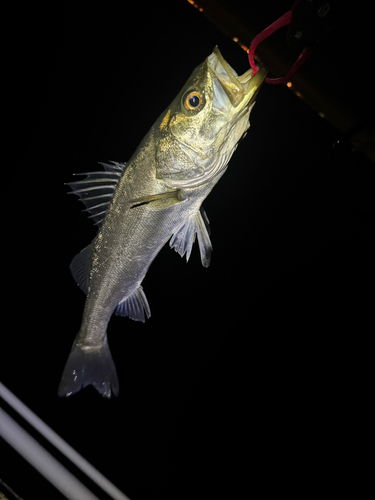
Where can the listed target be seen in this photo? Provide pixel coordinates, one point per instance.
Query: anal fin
(135, 306)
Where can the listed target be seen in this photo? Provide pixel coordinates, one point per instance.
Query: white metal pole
(43, 461)
(61, 445)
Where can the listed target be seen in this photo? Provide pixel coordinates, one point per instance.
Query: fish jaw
(195, 145)
(241, 90)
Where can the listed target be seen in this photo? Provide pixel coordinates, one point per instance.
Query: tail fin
(90, 365)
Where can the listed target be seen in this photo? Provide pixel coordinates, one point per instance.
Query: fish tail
(89, 365)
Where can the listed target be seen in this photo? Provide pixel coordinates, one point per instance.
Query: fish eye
(194, 101)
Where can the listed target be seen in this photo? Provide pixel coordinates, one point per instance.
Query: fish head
(200, 130)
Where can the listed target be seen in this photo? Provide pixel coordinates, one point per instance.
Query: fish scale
(155, 198)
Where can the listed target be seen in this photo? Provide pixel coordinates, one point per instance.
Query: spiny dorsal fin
(97, 189)
(183, 239)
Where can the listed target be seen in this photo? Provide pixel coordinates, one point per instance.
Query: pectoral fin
(176, 195)
(183, 239)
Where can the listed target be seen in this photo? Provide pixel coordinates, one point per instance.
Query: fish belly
(124, 251)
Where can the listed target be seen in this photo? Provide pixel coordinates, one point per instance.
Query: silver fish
(155, 198)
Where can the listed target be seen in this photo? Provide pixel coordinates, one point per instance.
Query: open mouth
(239, 89)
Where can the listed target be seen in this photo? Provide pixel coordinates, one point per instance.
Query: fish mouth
(239, 89)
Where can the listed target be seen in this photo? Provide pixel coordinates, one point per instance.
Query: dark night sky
(248, 374)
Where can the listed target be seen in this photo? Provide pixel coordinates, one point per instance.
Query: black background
(252, 375)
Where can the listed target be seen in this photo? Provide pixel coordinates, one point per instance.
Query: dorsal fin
(80, 268)
(97, 189)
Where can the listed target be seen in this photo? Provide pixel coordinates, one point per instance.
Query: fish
(154, 198)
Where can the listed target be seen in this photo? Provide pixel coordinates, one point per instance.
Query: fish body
(155, 198)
